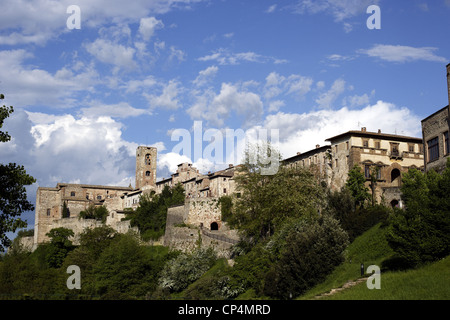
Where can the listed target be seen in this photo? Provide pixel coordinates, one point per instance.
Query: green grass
(371, 248)
(430, 282)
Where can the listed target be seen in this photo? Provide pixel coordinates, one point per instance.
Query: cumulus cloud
(232, 98)
(302, 131)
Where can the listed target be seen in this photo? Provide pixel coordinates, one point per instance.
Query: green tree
(421, 232)
(59, 246)
(311, 249)
(268, 200)
(356, 184)
(151, 214)
(13, 197)
(92, 212)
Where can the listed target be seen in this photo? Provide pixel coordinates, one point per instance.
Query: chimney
(379, 130)
(299, 153)
(317, 146)
(230, 165)
(363, 129)
(448, 82)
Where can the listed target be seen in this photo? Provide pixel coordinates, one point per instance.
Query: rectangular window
(377, 145)
(365, 143)
(48, 212)
(411, 148)
(394, 149)
(446, 143)
(367, 172)
(379, 173)
(433, 149)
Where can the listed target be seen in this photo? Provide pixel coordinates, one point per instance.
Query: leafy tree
(92, 212)
(312, 249)
(65, 211)
(126, 270)
(267, 200)
(150, 216)
(356, 184)
(59, 246)
(13, 197)
(421, 232)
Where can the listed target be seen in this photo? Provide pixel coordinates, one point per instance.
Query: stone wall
(188, 227)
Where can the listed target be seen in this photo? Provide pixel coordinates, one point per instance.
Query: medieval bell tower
(145, 167)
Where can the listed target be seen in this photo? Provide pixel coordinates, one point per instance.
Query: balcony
(395, 154)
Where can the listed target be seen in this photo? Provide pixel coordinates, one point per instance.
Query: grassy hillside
(430, 282)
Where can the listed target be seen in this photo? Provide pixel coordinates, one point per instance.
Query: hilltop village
(391, 154)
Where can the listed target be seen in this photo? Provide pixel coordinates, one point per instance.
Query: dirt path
(347, 285)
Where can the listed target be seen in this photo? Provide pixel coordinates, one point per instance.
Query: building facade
(435, 130)
(389, 155)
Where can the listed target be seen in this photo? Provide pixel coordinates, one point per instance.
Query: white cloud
(69, 149)
(204, 76)
(224, 57)
(326, 99)
(398, 53)
(216, 108)
(271, 8)
(28, 85)
(294, 84)
(168, 98)
(38, 21)
(112, 53)
(118, 110)
(339, 9)
(301, 132)
(148, 26)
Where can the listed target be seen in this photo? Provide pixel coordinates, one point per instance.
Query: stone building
(390, 154)
(50, 204)
(318, 160)
(435, 129)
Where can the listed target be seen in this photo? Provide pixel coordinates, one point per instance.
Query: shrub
(312, 251)
(178, 273)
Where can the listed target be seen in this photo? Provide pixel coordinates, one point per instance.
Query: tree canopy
(13, 196)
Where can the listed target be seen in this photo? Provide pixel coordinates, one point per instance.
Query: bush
(311, 252)
(178, 273)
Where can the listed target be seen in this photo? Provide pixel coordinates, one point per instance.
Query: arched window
(395, 174)
(72, 194)
(147, 173)
(214, 226)
(147, 159)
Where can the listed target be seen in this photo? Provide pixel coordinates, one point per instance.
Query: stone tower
(145, 167)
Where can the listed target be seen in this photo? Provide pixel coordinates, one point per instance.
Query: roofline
(320, 149)
(375, 135)
(433, 114)
(92, 186)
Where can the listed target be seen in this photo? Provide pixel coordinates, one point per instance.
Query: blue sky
(136, 71)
